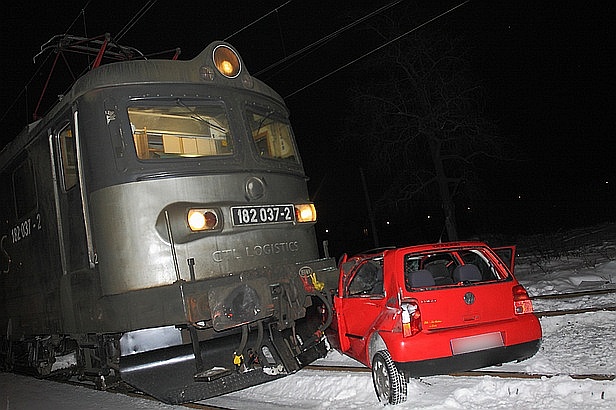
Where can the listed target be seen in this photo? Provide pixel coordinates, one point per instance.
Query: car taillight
(411, 318)
(521, 302)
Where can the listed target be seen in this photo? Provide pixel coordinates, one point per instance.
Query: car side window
(368, 280)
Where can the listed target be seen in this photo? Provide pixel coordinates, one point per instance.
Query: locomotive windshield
(169, 132)
(273, 137)
(186, 131)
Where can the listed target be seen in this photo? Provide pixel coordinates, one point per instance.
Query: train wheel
(389, 384)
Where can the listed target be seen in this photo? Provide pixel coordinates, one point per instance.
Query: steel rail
(574, 294)
(548, 313)
(475, 373)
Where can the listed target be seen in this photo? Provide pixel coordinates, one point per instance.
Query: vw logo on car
(469, 298)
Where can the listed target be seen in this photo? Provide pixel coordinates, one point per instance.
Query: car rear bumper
(469, 361)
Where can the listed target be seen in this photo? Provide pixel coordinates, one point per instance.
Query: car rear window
(448, 268)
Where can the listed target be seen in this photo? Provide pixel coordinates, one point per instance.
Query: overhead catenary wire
(393, 40)
(131, 23)
(134, 20)
(38, 70)
(81, 13)
(257, 20)
(329, 37)
(149, 4)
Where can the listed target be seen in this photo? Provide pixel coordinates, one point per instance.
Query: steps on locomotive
(172, 375)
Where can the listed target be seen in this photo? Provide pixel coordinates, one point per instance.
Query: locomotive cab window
(273, 137)
(170, 132)
(68, 157)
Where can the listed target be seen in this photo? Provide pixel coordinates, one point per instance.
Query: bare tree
(422, 118)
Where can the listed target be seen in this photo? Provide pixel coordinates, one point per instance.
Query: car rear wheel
(389, 384)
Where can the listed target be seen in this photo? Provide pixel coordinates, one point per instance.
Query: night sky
(547, 68)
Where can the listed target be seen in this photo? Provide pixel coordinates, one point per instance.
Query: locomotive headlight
(227, 61)
(226, 67)
(305, 213)
(202, 219)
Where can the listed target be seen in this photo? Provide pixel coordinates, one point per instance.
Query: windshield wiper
(197, 117)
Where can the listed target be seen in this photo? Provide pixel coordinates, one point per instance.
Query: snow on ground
(572, 344)
(19, 392)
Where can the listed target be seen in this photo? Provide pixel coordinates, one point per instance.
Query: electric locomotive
(156, 229)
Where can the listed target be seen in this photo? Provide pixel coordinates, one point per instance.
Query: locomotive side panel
(31, 271)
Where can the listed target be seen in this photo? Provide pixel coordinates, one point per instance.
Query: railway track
(475, 373)
(360, 369)
(570, 295)
(575, 311)
(126, 390)
(573, 295)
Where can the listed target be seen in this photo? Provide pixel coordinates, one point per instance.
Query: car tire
(389, 384)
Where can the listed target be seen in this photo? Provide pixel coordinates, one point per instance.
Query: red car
(431, 309)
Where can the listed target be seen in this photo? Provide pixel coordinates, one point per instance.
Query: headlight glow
(202, 219)
(305, 213)
(226, 67)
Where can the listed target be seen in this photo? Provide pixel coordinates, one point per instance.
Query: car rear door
(465, 305)
(507, 255)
